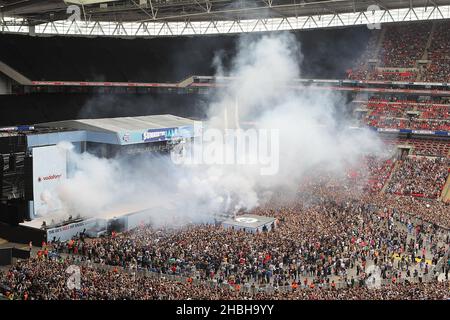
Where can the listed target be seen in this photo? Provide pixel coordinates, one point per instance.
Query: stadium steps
(380, 41)
(378, 48)
(388, 180)
(445, 195)
(430, 40)
(425, 52)
(376, 54)
(13, 74)
(186, 82)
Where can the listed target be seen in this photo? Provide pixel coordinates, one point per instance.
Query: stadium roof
(124, 124)
(151, 18)
(40, 11)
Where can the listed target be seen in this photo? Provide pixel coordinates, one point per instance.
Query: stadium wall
(47, 107)
(327, 54)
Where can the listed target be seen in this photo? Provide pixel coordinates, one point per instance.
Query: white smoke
(311, 133)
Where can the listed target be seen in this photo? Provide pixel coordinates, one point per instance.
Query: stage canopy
(122, 131)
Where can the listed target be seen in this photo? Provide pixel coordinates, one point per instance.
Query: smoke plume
(311, 131)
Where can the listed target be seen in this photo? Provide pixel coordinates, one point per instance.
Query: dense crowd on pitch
(319, 243)
(46, 279)
(379, 170)
(419, 291)
(401, 48)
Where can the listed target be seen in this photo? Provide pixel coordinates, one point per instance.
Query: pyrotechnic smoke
(311, 130)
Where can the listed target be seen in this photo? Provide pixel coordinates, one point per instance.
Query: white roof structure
(130, 18)
(122, 130)
(116, 125)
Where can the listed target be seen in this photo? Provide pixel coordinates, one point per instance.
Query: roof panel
(121, 124)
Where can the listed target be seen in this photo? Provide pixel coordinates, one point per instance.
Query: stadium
(224, 150)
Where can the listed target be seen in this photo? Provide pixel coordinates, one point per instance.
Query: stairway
(13, 74)
(425, 51)
(445, 194)
(376, 52)
(380, 42)
(186, 82)
(430, 39)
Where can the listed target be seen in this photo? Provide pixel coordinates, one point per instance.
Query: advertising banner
(423, 131)
(49, 170)
(155, 135)
(68, 231)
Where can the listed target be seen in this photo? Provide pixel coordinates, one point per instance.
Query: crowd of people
(393, 75)
(47, 280)
(374, 230)
(400, 50)
(414, 124)
(405, 114)
(321, 248)
(403, 45)
(420, 177)
(420, 146)
(361, 69)
(395, 108)
(434, 111)
(432, 211)
(370, 173)
(439, 54)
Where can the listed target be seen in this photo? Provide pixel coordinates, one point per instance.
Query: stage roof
(117, 125)
(123, 131)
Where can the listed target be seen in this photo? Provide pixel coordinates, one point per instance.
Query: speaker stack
(28, 178)
(2, 165)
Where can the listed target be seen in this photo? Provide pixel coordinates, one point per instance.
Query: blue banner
(154, 135)
(419, 132)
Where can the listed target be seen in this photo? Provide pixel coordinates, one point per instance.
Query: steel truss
(154, 25)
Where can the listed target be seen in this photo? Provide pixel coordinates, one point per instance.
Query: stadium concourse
(380, 229)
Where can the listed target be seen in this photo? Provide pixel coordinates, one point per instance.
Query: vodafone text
(226, 309)
(51, 177)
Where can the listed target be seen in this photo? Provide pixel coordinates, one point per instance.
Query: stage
(58, 225)
(250, 223)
